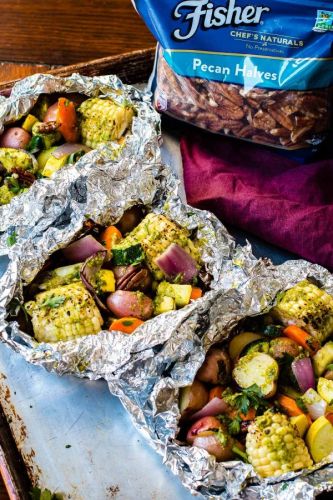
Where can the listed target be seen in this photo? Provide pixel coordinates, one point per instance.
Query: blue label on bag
(273, 44)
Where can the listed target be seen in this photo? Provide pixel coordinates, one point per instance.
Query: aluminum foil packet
(148, 387)
(49, 195)
(102, 193)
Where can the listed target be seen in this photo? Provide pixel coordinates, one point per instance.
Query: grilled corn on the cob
(102, 120)
(156, 233)
(308, 307)
(274, 447)
(64, 313)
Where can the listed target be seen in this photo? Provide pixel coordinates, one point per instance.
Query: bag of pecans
(259, 70)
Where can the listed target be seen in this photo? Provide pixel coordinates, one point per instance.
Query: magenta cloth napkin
(262, 192)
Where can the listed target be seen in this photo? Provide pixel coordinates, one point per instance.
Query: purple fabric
(260, 191)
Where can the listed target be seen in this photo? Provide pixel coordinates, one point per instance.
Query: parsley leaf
(38, 494)
(53, 302)
(252, 397)
(222, 437)
(301, 405)
(233, 425)
(12, 238)
(13, 185)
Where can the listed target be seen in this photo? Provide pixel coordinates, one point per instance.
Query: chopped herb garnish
(68, 446)
(127, 322)
(12, 238)
(222, 437)
(234, 426)
(13, 185)
(252, 397)
(38, 494)
(179, 278)
(301, 405)
(53, 302)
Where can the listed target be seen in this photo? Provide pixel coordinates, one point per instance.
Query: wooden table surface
(62, 32)
(37, 35)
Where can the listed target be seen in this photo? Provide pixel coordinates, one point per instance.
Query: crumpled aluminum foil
(103, 192)
(49, 195)
(148, 387)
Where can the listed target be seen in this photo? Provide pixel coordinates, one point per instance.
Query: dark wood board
(64, 32)
(130, 67)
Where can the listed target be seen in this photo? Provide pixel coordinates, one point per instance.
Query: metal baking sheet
(74, 437)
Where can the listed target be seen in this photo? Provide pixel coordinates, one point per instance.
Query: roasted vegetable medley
(266, 395)
(57, 132)
(116, 278)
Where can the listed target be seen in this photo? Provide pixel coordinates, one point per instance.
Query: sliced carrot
(125, 325)
(196, 293)
(67, 119)
(216, 392)
(110, 236)
(250, 415)
(302, 338)
(233, 413)
(290, 407)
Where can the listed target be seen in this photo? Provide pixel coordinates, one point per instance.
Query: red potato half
(192, 398)
(210, 442)
(122, 304)
(15, 137)
(204, 424)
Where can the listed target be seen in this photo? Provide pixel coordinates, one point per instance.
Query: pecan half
(299, 133)
(246, 132)
(280, 132)
(25, 178)
(132, 278)
(46, 127)
(222, 91)
(263, 121)
(281, 118)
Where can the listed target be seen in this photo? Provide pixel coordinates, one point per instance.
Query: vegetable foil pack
(102, 194)
(102, 92)
(149, 387)
(259, 71)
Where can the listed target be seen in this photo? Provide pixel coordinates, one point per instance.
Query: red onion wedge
(175, 261)
(303, 372)
(88, 274)
(216, 406)
(68, 148)
(81, 249)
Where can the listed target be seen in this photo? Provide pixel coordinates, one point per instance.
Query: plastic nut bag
(259, 71)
